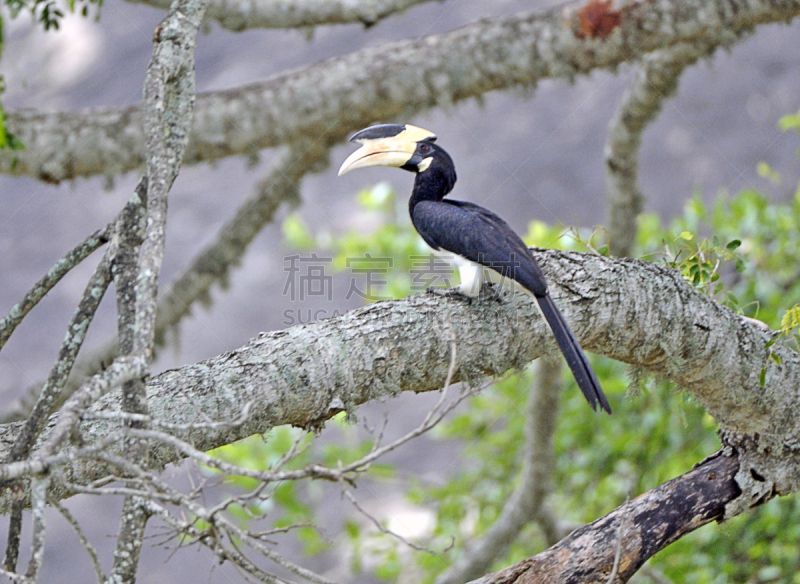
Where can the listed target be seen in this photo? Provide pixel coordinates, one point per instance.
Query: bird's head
(400, 145)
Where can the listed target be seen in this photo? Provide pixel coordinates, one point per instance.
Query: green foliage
(49, 15)
(48, 12)
(8, 141)
(701, 261)
(286, 503)
(748, 227)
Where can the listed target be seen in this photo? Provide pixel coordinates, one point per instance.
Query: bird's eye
(424, 149)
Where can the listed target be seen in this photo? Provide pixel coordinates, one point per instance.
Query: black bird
(477, 237)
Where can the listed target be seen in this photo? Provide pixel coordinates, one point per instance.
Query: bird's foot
(492, 291)
(450, 293)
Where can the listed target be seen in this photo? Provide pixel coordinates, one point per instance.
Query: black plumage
(468, 230)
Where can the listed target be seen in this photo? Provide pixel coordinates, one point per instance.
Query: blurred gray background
(526, 156)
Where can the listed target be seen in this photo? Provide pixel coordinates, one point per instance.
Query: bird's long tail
(576, 358)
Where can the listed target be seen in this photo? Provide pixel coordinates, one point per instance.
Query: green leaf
(296, 233)
(789, 122)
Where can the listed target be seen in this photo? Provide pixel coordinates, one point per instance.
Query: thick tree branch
(240, 15)
(632, 311)
(393, 81)
(638, 529)
(169, 96)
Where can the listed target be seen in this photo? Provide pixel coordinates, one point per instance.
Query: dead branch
(645, 525)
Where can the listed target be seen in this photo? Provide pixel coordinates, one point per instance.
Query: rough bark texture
(238, 15)
(393, 81)
(638, 529)
(632, 311)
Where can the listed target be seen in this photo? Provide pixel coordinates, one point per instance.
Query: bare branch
(394, 81)
(76, 333)
(61, 268)
(655, 575)
(130, 535)
(632, 311)
(42, 464)
(213, 264)
(169, 96)
(44, 399)
(655, 82)
(87, 545)
(314, 471)
(121, 370)
(11, 555)
(648, 524)
(44, 406)
(240, 15)
(374, 520)
(12, 577)
(38, 499)
(220, 524)
(617, 554)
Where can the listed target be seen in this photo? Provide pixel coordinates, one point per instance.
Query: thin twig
(76, 333)
(61, 268)
(221, 523)
(655, 575)
(39, 486)
(394, 534)
(87, 545)
(156, 423)
(617, 551)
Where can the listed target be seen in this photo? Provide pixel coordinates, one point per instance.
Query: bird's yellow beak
(382, 150)
(379, 152)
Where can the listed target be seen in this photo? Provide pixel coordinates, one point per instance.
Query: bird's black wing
(480, 236)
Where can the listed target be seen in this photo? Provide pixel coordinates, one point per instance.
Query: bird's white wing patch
(471, 275)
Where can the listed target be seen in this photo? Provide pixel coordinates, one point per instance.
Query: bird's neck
(432, 185)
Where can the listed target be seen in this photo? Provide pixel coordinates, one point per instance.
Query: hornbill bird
(475, 236)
